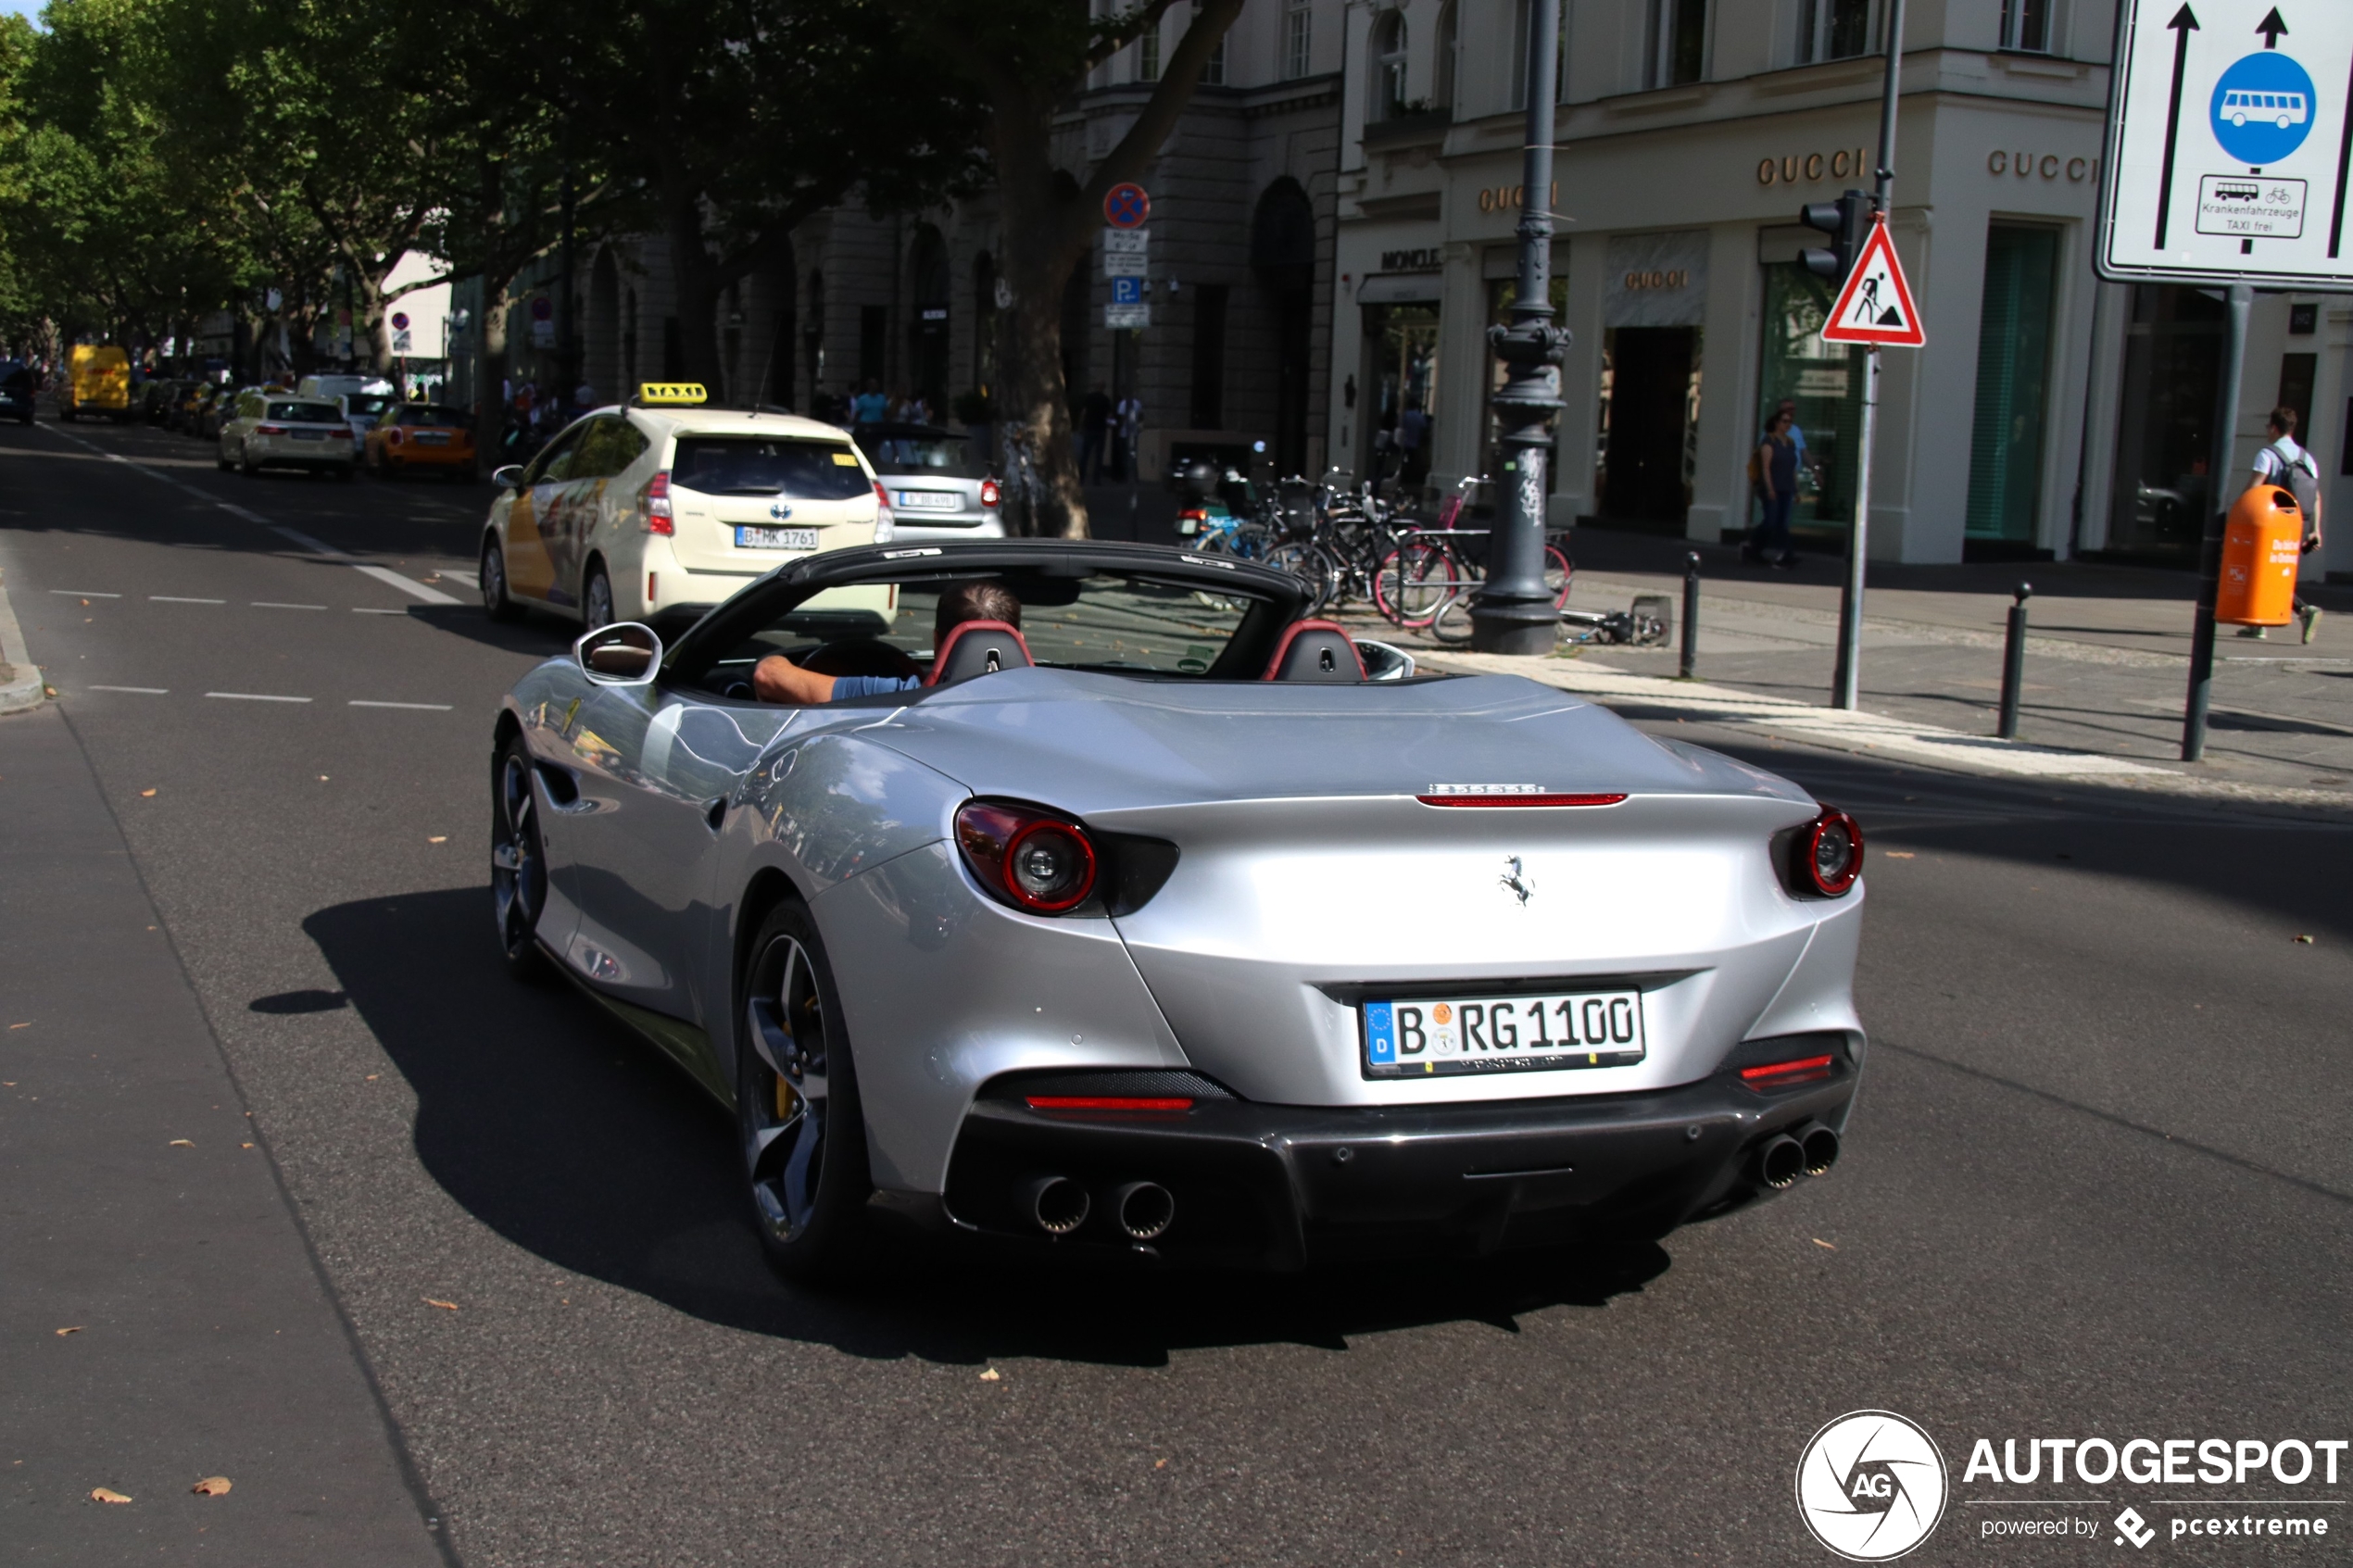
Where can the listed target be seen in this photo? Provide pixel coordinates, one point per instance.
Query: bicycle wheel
(1453, 621)
(1410, 585)
(1559, 572)
(1310, 566)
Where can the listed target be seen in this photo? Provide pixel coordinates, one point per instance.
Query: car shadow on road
(557, 1127)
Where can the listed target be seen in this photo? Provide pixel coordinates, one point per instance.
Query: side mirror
(623, 655)
(1383, 662)
(508, 477)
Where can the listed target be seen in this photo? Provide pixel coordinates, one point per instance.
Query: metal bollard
(1690, 614)
(2014, 664)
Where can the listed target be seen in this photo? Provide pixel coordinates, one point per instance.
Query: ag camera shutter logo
(1871, 1486)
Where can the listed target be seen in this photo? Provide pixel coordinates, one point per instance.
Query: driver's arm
(778, 679)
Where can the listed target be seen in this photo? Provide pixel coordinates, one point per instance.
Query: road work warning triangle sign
(1876, 305)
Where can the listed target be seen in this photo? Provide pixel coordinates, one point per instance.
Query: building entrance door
(1646, 475)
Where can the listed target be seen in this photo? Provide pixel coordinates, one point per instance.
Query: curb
(20, 685)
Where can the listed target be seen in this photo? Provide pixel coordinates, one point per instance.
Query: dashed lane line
(364, 609)
(143, 690)
(84, 594)
(382, 573)
(272, 603)
(422, 707)
(254, 697)
(177, 599)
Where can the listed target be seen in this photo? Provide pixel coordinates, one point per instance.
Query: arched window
(1389, 66)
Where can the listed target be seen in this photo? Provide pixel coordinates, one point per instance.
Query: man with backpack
(2293, 469)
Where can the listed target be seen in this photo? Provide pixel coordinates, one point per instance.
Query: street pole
(1512, 612)
(1847, 686)
(2219, 498)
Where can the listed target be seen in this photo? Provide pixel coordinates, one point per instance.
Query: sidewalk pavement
(2107, 670)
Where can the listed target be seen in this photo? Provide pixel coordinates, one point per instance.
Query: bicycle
(1424, 584)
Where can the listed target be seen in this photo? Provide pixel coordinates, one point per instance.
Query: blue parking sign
(1127, 291)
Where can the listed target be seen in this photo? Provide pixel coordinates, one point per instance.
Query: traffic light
(1847, 221)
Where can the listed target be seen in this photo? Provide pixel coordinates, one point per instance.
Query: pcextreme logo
(1871, 1486)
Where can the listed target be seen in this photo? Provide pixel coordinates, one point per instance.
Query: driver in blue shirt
(778, 679)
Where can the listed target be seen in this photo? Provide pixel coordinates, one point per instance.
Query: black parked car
(16, 391)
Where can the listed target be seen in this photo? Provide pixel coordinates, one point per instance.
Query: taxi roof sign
(675, 393)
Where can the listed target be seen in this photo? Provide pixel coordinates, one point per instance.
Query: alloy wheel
(596, 600)
(785, 1103)
(518, 867)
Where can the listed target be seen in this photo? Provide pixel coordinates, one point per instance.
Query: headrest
(978, 648)
(1316, 650)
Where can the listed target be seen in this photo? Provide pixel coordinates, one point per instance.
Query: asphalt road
(482, 1288)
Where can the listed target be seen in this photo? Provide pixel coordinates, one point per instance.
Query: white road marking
(423, 707)
(272, 603)
(364, 609)
(143, 690)
(453, 575)
(255, 697)
(409, 585)
(176, 599)
(307, 541)
(84, 594)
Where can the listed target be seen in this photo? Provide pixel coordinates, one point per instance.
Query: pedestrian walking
(2295, 470)
(1413, 440)
(870, 406)
(1094, 434)
(1774, 468)
(1130, 412)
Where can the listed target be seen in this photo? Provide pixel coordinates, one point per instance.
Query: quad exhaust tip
(1820, 1145)
(1057, 1204)
(1145, 1208)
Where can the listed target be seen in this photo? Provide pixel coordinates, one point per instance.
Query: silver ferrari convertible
(1140, 915)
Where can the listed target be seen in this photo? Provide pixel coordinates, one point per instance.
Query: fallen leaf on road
(373, 1076)
(990, 1375)
(1898, 855)
(438, 838)
(147, 794)
(445, 1306)
(26, 1025)
(2306, 940)
(86, 604)
(1819, 1242)
(1160, 1464)
(183, 1143)
(106, 1494)
(322, 778)
(211, 1486)
(63, 1332)
(245, 1146)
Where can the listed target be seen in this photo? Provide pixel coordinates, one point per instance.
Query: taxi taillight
(886, 527)
(658, 518)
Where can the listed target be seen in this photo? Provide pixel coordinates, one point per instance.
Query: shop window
(1299, 38)
(1401, 347)
(1823, 385)
(1677, 42)
(2026, 25)
(2013, 375)
(1834, 30)
(2165, 426)
(1148, 54)
(1646, 451)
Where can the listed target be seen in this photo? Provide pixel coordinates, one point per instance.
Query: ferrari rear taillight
(990, 494)
(1109, 1102)
(1825, 856)
(1032, 858)
(1784, 1074)
(657, 504)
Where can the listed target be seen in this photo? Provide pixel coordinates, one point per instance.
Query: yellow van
(97, 382)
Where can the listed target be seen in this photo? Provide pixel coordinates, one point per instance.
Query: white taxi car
(666, 503)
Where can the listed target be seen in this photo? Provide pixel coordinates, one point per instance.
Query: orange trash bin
(2263, 542)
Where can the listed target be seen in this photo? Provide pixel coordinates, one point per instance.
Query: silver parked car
(940, 487)
(1153, 918)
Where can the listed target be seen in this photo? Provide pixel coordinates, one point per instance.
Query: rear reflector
(1519, 799)
(1776, 1072)
(1110, 1102)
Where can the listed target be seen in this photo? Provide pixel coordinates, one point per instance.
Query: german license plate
(775, 538)
(310, 435)
(433, 438)
(1430, 1036)
(931, 500)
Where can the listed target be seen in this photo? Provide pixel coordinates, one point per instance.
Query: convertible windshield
(798, 470)
(1109, 622)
